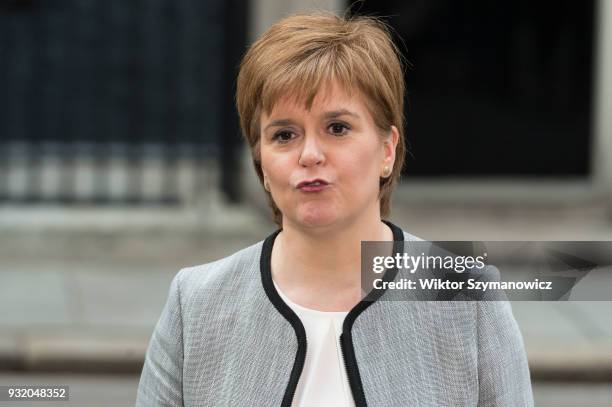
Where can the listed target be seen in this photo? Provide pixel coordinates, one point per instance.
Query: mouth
(314, 185)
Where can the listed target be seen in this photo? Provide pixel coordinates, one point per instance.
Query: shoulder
(411, 238)
(221, 274)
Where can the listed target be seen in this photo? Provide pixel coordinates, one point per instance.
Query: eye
(282, 136)
(338, 129)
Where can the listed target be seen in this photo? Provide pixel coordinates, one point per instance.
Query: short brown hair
(300, 53)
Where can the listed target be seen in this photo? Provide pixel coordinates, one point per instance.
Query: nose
(311, 152)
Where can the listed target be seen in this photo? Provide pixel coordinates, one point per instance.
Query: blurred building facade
(116, 103)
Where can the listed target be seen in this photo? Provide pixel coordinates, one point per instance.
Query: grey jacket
(226, 338)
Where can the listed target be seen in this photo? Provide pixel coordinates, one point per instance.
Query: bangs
(299, 82)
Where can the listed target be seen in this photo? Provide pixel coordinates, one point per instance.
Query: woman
(282, 322)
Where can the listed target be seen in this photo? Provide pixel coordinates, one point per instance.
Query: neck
(330, 257)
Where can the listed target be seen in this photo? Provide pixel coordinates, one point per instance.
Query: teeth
(316, 183)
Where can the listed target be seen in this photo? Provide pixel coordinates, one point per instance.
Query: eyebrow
(337, 113)
(279, 123)
(327, 115)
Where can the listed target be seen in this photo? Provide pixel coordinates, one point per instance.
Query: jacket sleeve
(503, 372)
(161, 381)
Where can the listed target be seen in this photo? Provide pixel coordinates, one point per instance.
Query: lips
(312, 183)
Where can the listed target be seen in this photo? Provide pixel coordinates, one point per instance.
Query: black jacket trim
(346, 340)
(287, 312)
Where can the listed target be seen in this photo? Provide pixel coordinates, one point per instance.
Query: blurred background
(121, 162)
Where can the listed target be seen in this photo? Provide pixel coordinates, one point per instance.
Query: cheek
(361, 164)
(276, 166)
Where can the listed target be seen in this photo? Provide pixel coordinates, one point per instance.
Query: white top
(323, 381)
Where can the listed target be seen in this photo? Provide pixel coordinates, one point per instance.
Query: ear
(389, 146)
(266, 182)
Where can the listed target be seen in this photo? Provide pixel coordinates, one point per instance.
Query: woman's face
(335, 143)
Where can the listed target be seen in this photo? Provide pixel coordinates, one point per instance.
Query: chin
(317, 217)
